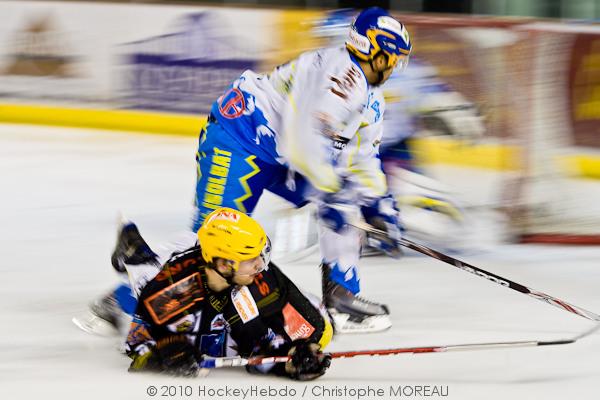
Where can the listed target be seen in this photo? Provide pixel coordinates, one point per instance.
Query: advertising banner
(155, 57)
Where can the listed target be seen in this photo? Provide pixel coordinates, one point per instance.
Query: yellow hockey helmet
(232, 235)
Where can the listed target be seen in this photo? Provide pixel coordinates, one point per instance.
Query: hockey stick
(223, 362)
(484, 274)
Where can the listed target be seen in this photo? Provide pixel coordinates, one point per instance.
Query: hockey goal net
(538, 84)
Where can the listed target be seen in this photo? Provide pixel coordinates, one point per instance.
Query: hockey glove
(178, 356)
(145, 358)
(332, 218)
(307, 362)
(383, 215)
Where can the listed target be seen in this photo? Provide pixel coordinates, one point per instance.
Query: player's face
(386, 74)
(248, 270)
(382, 69)
(397, 64)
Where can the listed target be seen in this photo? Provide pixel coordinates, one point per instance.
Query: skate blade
(344, 325)
(95, 325)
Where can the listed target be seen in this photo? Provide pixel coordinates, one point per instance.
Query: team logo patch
(175, 298)
(183, 325)
(232, 104)
(218, 323)
(138, 332)
(375, 107)
(244, 303)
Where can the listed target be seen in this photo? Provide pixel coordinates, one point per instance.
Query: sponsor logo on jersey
(339, 143)
(327, 130)
(295, 325)
(244, 303)
(326, 125)
(173, 268)
(343, 86)
(263, 287)
(218, 172)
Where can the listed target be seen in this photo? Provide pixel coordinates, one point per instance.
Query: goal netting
(538, 84)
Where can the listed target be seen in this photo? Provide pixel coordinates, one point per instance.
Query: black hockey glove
(178, 356)
(307, 362)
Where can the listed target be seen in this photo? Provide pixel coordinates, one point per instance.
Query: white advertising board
(140, 56)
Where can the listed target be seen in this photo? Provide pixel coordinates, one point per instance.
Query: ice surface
(62, 190)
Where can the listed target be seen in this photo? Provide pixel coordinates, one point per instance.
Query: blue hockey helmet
(375, 31)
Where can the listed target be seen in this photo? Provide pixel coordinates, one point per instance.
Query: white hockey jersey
(316, 114)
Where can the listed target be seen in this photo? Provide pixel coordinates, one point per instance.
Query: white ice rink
(61, 190)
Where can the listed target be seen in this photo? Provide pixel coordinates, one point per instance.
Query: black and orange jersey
(273, 304)
(179, 301)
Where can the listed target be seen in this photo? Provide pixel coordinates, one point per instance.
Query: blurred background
(506, 90)
(584, 9)
(101, 103)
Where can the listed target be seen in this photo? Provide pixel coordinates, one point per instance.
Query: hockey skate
(131, 248)
(104, 318)
(350, 313)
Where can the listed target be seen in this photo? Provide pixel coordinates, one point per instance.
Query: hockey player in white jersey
(309, 131)
(418, 103)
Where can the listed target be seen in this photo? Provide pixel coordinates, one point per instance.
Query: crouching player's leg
(136, 264)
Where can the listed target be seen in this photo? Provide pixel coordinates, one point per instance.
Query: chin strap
(379, 73)
(229, 280)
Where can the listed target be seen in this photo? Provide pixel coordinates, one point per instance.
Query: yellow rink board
(434, 150)
(120, 120)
